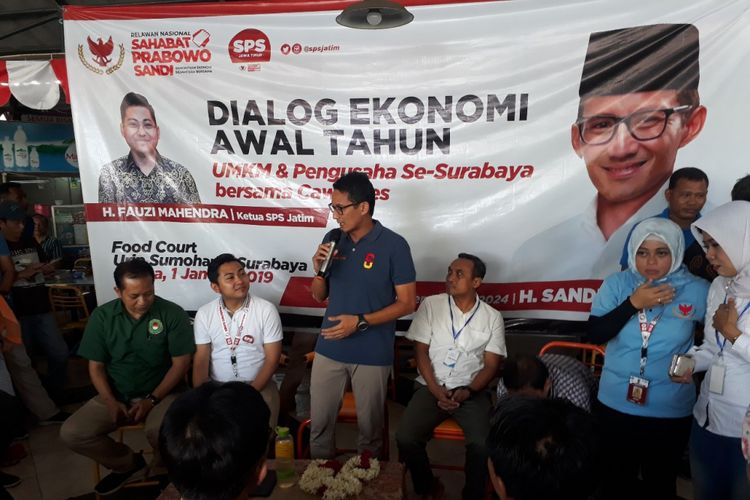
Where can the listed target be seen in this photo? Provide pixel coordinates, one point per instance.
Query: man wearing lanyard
(459, 341)
(139, 348)
(237, 336)
(370, 284)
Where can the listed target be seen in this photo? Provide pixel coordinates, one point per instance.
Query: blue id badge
(451, 357)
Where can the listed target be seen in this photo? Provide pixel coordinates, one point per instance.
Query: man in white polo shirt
(237, 336)
(459, 342)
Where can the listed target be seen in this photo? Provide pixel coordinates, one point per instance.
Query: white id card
(716, 384)
(451, 357)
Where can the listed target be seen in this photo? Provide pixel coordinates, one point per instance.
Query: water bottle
(8, 160)
(22, 150)
(284, 458)
(34, 158)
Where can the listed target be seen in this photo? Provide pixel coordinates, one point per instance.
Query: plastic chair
(448, 430)
(592, 355)
(82, 264)
(347, 415)
(69, 307)
(120, 437)
(284, 360)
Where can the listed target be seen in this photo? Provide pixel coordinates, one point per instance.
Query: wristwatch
(153, 399)
(362, 324)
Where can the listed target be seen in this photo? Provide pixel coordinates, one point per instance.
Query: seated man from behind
(549, 375)
(459, 342)
(741, 189)
(237, 336)
(139, 348)
(214, 441)
(540, 449)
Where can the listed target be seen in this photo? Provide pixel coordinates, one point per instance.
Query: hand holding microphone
(323, 258)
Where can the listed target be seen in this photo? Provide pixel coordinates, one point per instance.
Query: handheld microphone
(333, 242)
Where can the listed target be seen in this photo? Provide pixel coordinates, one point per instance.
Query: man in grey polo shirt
(370, 284)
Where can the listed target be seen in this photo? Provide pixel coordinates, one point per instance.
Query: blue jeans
(717, 466)
(40, 331)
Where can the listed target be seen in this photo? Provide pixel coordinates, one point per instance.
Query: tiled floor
(52, 472)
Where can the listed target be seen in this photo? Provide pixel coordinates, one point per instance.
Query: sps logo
(369, 260)
(250, 46)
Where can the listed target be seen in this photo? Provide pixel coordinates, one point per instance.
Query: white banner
(464, 119)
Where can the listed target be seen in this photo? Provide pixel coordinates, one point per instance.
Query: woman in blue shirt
(646, 314)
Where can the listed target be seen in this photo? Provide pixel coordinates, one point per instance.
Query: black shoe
(9, 480)
(56, 419)
(116, 480)
(22, 435)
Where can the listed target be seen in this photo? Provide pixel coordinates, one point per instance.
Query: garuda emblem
(101, 55)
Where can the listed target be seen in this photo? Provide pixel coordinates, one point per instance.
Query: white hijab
(729, 225)
(661, 229)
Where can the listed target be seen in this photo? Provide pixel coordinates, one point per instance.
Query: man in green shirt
(139, 348)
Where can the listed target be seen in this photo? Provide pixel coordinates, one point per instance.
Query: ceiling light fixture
(374, 15)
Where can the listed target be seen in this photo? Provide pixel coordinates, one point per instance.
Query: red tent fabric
(4, 84)
(7, 86)
(61, 72)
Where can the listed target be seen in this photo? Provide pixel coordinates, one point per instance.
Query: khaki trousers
(87, 433)
(327, 385)
(270, 394)
(28, 385)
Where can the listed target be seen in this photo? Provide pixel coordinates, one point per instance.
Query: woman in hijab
(716, 461)
(645, 314)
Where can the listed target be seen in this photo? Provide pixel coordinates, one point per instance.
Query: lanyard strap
(723, 341)
(453, 329)
(647, 327)
(232, 342)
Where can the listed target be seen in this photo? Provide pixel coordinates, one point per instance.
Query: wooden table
(67, 277)
(389, 485)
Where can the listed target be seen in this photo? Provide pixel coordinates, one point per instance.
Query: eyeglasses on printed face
(339, 209)
(135, 127)
(643, 125)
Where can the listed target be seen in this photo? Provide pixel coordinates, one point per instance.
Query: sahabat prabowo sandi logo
(102, 54)
(201, 38)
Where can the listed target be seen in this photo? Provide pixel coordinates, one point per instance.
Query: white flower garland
(341, 486)
(323, 481)
(352, 467)
(312, 478)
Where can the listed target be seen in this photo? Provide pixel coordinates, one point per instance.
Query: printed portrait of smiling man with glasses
(639, 105)
(143, 175)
